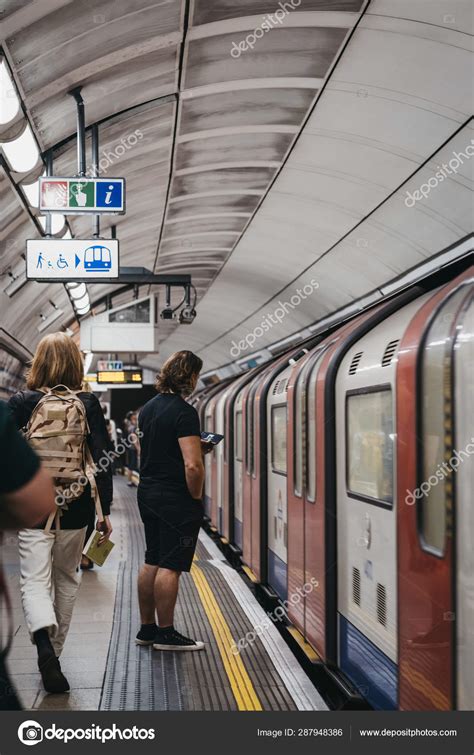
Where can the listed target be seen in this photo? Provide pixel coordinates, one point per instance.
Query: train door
(313, 511)
(463, 367)
(297, 453)
(238, 464)
(427, 521)
(208, 427)
(276, 471)
(219, 459)
(251, 513)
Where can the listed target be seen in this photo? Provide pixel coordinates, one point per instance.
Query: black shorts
(172, 522)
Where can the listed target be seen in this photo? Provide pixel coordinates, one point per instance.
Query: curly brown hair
(178, 373)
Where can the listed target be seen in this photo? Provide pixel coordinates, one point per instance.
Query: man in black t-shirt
(169, 498)
(26, 498)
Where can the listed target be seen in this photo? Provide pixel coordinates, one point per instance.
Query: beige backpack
(57, 431)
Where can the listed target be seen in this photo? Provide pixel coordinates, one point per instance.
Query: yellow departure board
(120, 377)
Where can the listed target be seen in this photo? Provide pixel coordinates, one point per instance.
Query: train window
(369, 444)
(209, 424)
(279, 419)
(238, 435)
(435, 442)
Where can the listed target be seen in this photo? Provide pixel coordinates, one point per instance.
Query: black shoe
(146, 635)
(53, 678)
(173, 640)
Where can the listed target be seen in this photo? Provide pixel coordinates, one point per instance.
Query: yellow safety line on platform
(240, 682)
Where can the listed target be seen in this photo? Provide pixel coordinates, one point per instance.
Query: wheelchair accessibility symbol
(97, 258)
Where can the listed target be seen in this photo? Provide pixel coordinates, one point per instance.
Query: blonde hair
(57, 361)
(178, 373)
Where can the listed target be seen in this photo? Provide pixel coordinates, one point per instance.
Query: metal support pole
(187, 300)
(95, 168)
(49, 172)
(81, 131)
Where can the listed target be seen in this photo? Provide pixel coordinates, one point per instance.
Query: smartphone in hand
(212, 438)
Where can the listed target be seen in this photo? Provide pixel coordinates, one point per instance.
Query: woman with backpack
(66, 428)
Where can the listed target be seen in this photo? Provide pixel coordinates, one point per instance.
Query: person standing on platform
(169, 499)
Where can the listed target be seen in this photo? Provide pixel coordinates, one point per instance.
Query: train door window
(209, 424)
(249, 433)
(369, 445)
(299, 455)
(238, 435)
(226, 437)
(278, 455)
(254, 432)
(436, 441)
(311, 424)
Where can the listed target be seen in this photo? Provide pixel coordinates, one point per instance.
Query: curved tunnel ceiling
(288, 162)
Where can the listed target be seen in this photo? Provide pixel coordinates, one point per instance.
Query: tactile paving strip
(140, 678)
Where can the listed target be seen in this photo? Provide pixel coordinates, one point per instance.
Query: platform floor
(107, 671)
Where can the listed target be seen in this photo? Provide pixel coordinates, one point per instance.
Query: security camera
(187, 315)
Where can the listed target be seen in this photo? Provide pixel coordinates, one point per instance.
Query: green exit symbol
(81, 194)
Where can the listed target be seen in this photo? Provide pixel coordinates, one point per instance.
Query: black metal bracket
(128, 276)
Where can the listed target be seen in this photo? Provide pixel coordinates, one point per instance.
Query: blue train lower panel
(277, 575)
(371, 671)
(238, 532)
(207, 505)
(220, 518)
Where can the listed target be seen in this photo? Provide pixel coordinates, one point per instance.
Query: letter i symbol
(108, 195)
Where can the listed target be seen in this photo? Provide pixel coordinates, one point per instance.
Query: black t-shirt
(18, 463)
(162, 421)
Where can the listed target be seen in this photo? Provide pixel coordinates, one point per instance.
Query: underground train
(346, 466)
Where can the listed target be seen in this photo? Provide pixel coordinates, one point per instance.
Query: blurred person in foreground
(169, 498)
(67, 426)
(26, 499)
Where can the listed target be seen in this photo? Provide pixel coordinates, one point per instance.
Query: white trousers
(49, 581)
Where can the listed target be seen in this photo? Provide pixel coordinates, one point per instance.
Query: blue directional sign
(72, 259)
(77, 196)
